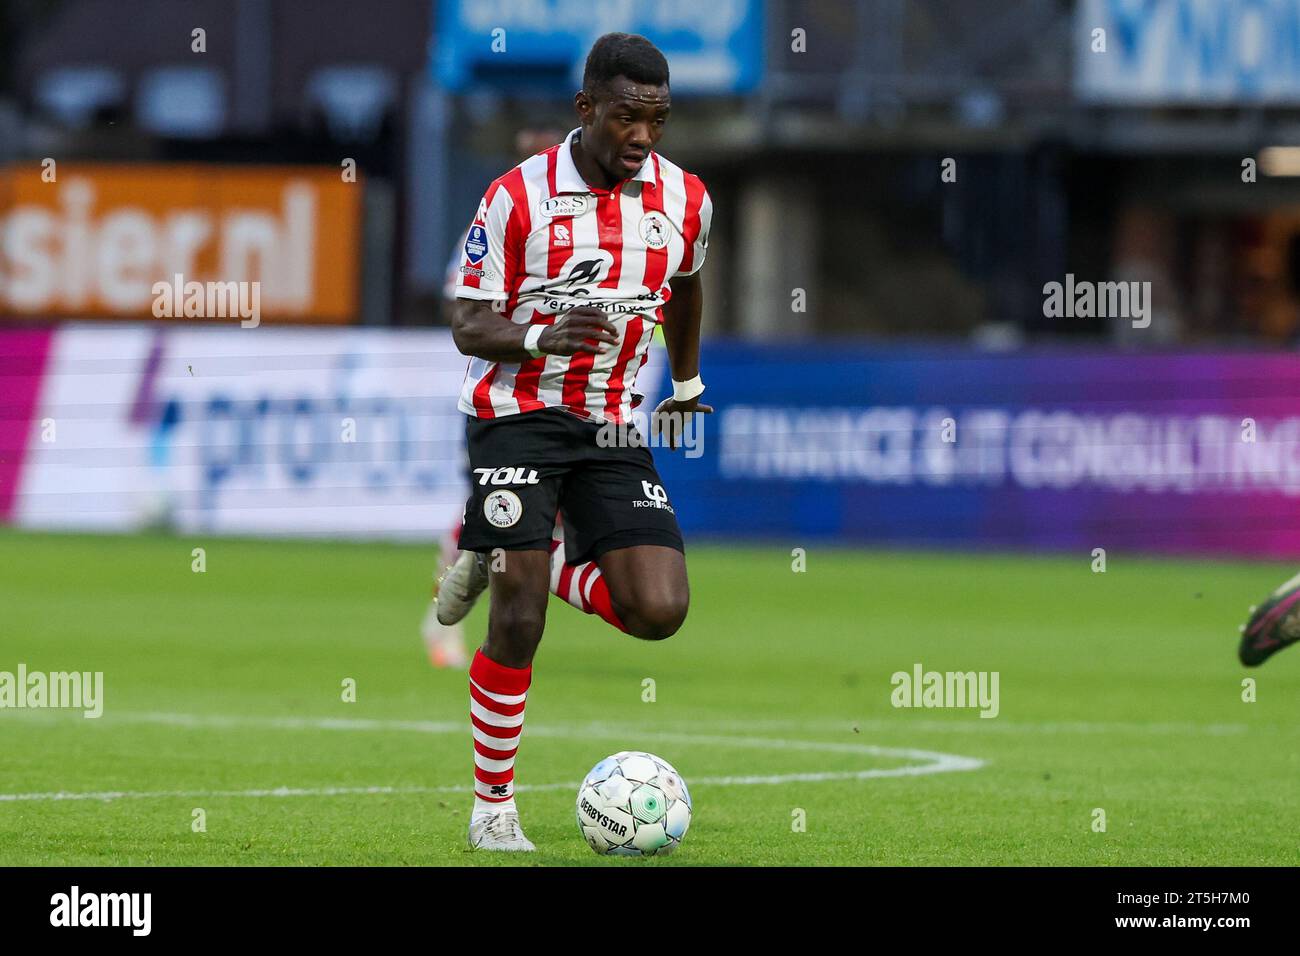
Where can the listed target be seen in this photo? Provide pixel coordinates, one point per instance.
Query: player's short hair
(623, 54)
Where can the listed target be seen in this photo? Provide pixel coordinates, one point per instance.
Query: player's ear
(584, 105)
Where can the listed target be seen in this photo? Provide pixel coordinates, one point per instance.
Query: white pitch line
(905, 723)
(932, 761)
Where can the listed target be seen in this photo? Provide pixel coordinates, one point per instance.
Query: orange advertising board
(103, 240)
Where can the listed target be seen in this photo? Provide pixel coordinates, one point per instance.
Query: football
(633, 804)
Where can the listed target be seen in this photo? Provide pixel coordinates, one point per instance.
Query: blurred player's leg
(460, 586)
(445, 643)
(1273, 625)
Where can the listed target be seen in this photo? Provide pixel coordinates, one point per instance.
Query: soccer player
(1273, 625)
(574, 258)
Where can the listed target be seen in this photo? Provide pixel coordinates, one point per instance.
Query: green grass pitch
(1118, 691)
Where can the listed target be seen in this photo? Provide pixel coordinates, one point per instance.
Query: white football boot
(460, 586)
(499, 831)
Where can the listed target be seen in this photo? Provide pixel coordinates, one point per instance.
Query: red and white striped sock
(582, 585)
(496, 709)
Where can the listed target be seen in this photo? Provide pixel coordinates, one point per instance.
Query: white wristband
(685, 391)
(530, 340)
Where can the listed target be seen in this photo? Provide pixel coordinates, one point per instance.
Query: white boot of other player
(460, 586)
(444, 643)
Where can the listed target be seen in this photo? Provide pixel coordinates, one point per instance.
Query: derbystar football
(633, 804)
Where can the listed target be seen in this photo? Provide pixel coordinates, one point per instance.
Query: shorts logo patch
(655, 497)
(503, 509)
(654, 230)
(476, 244)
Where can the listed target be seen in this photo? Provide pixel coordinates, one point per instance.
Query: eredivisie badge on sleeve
(476, 244)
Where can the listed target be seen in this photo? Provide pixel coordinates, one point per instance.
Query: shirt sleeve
(483, 252)
(451, 280)
(699, 243)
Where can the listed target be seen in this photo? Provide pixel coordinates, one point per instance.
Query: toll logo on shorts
(503, 509)
(655, 497)
(507, 476)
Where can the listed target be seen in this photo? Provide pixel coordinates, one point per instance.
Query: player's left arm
(681, 327)
(681, 324)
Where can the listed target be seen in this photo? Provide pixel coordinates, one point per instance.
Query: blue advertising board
(1214, 52)
(540, 45)
(1055, 449)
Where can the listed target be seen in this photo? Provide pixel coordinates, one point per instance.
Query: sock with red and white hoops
(582, 585)
(496, 709)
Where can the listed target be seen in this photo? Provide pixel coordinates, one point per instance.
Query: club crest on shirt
(563, 206)
(655, 230)
(476, 244)
(503, 509)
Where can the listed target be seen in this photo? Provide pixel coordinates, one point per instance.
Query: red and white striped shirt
(544, 242)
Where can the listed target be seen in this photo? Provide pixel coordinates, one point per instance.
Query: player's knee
(661, 617)
(518, 624)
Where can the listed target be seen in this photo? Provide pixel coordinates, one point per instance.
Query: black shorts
(525, 468)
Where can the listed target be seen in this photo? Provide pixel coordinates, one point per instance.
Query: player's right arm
(480, 330)
(494, 259)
